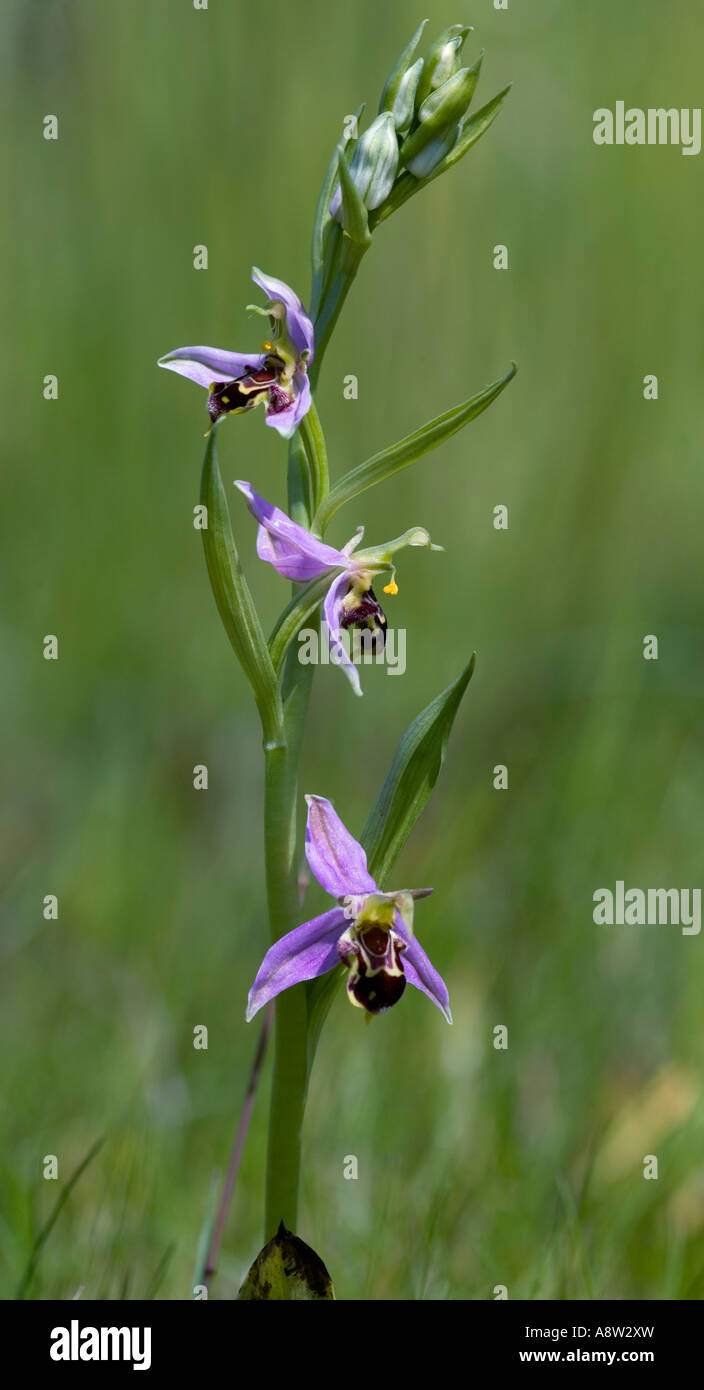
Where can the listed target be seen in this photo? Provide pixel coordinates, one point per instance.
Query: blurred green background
(476, 1167)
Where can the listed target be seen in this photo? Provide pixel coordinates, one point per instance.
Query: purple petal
(205, 364)
(331, 613)
(300, 328)
(420, 971)
(337, 860)
(303, 954)
(292, 550)
(287, 421)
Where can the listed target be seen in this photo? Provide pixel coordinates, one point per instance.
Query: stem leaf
(411, 778)
(406, 451)
(472, 130)
(234, 599)
(355, 218)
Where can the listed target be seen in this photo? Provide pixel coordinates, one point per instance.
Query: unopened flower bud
(443, 60)
(428, 159)
(373, 165)
(438, 123)
(399, 94)
(404, 102)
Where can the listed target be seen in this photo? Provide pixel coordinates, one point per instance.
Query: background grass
(476, 1167)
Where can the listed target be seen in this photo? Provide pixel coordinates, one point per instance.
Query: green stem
(347, 257)
(290, 1076)
(308, 486)
(299, 483)
(316, 453)
(300, 610)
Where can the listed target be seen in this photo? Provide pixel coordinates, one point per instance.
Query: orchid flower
(278, 375)
(350, 601)
(370, 932)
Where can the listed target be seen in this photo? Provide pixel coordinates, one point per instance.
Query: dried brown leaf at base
(287, 1268)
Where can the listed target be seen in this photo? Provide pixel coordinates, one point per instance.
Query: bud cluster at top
(422, 109)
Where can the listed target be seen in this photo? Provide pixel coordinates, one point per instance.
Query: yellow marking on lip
(391, 588)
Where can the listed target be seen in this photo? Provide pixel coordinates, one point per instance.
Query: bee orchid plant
(367, 938)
